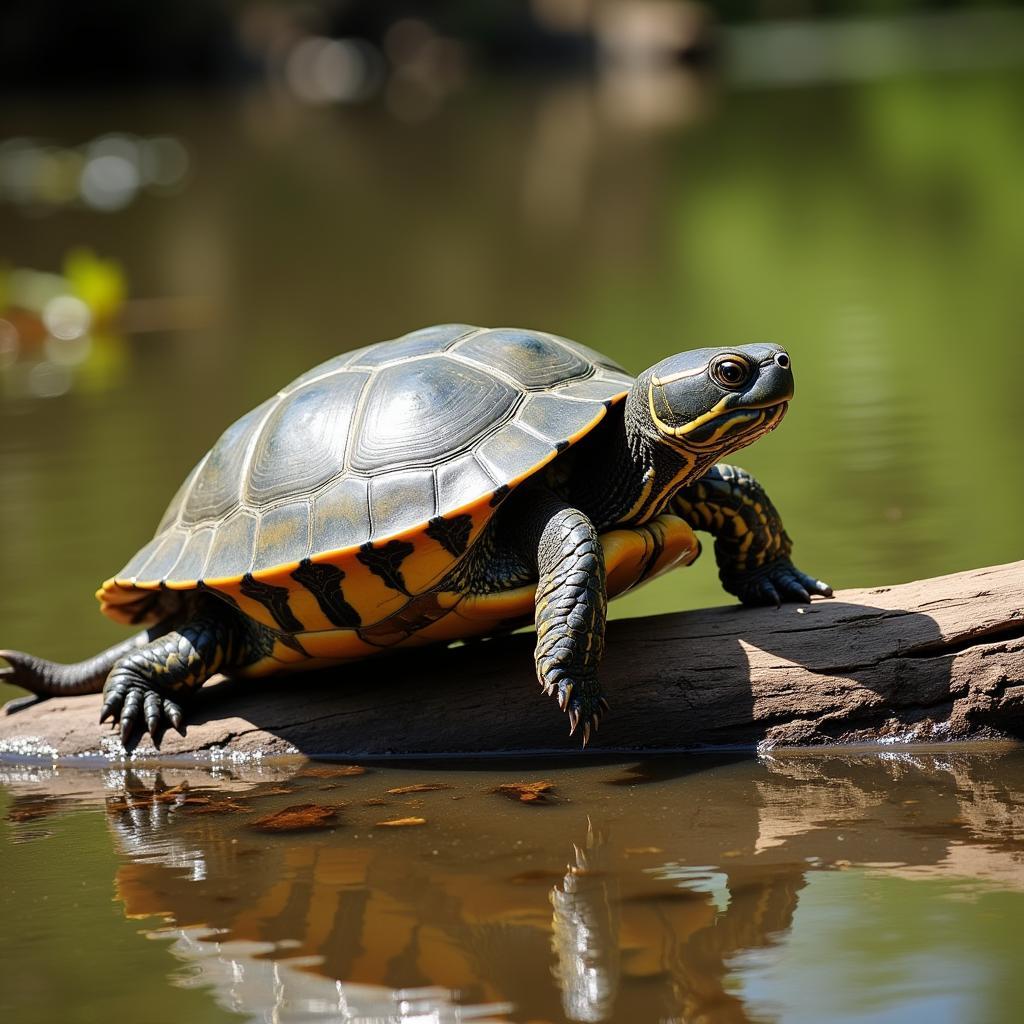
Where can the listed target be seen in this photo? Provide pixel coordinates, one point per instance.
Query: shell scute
(283, 535)
(416, 413)
(218, 485)
(428, 341)
(511, 447)
(232, 548)
(461, 480)
(341, 515)
(532, 360)
(303, 442)
(554, 419)
(398, 498)
(192, 560)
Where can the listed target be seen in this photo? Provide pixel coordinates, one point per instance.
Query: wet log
(937, 660)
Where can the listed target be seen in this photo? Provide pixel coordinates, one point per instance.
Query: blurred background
(201, 199)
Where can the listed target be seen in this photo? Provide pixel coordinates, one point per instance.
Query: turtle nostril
(781, 359)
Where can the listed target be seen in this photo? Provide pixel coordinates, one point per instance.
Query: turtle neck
(629, 478)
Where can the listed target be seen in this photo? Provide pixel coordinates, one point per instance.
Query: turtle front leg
(571, 607)
(751, 546)
(147, 686)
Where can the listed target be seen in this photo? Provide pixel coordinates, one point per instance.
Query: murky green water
(876, 230)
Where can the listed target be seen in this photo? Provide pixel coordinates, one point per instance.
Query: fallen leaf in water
(331, 771)
(401, 822)
(297, 817)
(420, 787)
(375, 802)
(526, 792)
(636, 851)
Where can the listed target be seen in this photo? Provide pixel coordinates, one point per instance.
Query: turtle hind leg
(146, 688)
(45, 679)
(571, 608)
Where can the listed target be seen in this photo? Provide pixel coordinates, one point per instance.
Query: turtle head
(710, 401)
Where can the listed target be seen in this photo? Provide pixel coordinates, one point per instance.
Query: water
(875, 229)
(874, 887)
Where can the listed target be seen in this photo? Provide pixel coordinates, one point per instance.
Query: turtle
(453, 483)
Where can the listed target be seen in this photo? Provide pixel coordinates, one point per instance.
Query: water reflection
(682, 877)
(585, 933)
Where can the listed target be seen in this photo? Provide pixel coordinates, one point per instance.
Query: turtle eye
(730, 371)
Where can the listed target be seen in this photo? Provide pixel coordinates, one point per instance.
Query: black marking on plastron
(274, 599)
(452, 534)
(324, 583)
(386, 562)
(500, 495)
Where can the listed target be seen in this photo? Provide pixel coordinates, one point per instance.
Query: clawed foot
(581, 701)
(138, 709)
(776, 582)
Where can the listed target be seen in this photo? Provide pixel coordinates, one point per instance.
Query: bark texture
(941, 659)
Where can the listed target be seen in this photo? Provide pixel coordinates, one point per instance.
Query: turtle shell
(382, 464)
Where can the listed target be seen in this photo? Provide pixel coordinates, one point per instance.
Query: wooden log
(937, 660)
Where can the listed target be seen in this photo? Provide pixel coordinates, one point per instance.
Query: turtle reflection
(585, 933)
(670, 885)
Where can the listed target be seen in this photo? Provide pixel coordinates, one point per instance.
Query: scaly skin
(751, 546)
(571, 608)
(148, 685)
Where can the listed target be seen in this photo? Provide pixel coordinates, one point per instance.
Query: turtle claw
(777, 582)
(175, 717)
(580, 700)
(135, 709)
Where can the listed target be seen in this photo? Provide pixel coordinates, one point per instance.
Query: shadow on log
(941, 659)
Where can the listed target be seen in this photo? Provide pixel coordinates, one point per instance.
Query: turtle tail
(51, 679)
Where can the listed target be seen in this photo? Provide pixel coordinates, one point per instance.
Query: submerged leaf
(331, 771)
(297, 817)
(526, 792)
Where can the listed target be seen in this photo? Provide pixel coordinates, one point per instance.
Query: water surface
(797, 888)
